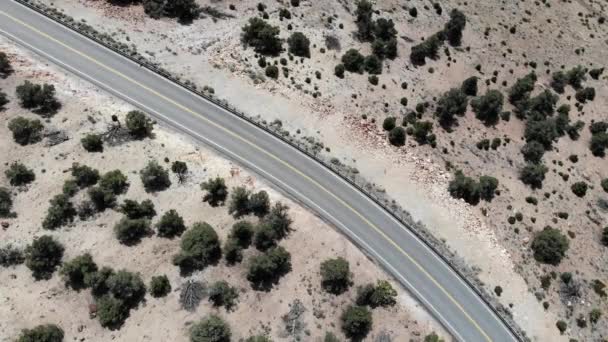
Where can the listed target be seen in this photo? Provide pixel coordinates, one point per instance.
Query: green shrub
(259, 203)
(160, 286)
(139, 125)
(242, 232)
(92, 143)
(596, 73)
(604, 184)
(130, 231)
(559, 80)
(533, 152)
(239, 202)
(222, 294)
(336, 277)
(427, 49)
(278, 220)
(210, 329)
(263, 37)
(561, 326)
(533, 175)
(180, 168)
(70, 188)
(519, 93)
(373, 65)
(115, 181)
(154, 177)
(576, 76)
(216, 191)
(550, 246)
(61, 212)
(11, 256)
(595, 315)
(433, 337)
(184, 10)
(487, 108)
(599, 144)
(170, 225)
(112, 312)
(299, 45)
(373, 79)
(84, 175)
(5, 65)
(127, 287)
(39, 98)
(134, 210)
(464, 187)
(6, 202)
(266, 269)
(18, 174)
(43, 256)
(389, 123)
(272, 71)
(41, 333)
(101, 198)
(469, 86)
(353, 61)
(487, 187)
(25, 131)
(585, 94)
(453, 102)
(339, 70)
(396, 136)
(356, 322)
(364, 21)
(233, 252)
(579, 189)
(453, 28)
(200, 247)
(382, 294)
(76, 271)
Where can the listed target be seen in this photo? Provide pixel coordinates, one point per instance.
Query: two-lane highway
(407, 258)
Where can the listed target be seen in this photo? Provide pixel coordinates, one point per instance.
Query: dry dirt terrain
(505, 40)
(26, 302)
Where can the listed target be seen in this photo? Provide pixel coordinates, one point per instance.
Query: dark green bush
(464, 187)
(200, 247)
(170, 225)
(427, 49)
(242, 232)
(356, 322)
(6, 202)
(210, 329)
(469, 86)
(299, 44)
(559, 81)
(364, 21)
(519, 93)
(266, 269)
(41, 333)
(43, 257)
(487, 108)
(373, 65)
(576, 76)
(5, 65)
(542, 131)
(579, 189)
(259, 203)
(154, 177)
(216, 191)
(550, 246)
(127, 287)
(130, 231)
(39, 98)
(585, 94)
(61, 212)
(11, 256)
(453, 102)
(533, 152)
(599, 144)
(239, 202)
(25, 131)
(389, 123)
(160, 286)
(18, 174)
(134, 210)
(76, 271)
(184, 10)
(139, 125)
(396, 136)
(533, 175)
(336, 277)
(353, 61)
(339, 70)
(180, 168)
(453, 28)
(604, 184)
(487, 187)
(222, 294)
(263, 37)
(233, 252)
(102, 198)
(92, 143)
(84, 175)
(382, 294)
(114, 181)
(112, 312)
(272, 71)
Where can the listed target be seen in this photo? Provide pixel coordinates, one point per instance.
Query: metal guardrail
(426, 237)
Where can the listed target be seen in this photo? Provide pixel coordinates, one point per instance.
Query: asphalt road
(409, 260)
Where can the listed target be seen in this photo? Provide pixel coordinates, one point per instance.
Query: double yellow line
(262, 150)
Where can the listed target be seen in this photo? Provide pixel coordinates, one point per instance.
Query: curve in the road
(438, 287)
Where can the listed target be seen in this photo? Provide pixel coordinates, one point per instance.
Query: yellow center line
(286, 164)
